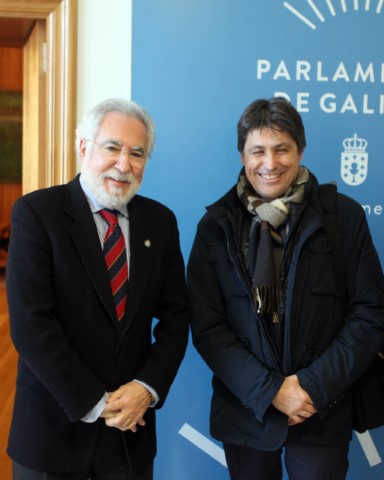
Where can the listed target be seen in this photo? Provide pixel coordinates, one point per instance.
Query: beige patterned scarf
(268, 217)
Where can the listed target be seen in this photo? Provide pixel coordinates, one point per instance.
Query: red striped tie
(116, 260)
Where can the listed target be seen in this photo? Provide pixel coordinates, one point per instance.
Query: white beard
(117, 197)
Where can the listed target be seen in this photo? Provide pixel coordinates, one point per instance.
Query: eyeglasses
(113, 151)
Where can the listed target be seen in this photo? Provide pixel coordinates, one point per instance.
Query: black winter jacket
(326, 351)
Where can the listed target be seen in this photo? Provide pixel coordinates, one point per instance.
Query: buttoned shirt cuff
(96, 411)
(153, 392)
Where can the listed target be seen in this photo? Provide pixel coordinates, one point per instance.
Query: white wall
(104, 51)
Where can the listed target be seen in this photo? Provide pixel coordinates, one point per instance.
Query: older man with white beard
(90, 265)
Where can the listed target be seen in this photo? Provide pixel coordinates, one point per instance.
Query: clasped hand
(294, 401)
(126, 407)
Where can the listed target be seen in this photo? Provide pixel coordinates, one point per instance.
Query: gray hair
(90, 124)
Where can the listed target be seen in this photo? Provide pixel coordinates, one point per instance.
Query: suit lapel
(84, 235)
(141, 256)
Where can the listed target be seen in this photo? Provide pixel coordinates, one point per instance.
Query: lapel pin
(147, 243)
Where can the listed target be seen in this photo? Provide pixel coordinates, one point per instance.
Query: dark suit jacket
(71, 349)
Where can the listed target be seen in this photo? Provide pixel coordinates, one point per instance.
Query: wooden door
(50, 90)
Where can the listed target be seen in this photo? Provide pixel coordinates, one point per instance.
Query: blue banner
(196, 66)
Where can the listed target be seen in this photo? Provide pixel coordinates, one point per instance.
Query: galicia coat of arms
(354, 161)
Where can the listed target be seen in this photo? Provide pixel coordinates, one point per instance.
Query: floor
(8, 360)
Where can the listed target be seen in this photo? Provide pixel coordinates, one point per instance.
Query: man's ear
(82, 148)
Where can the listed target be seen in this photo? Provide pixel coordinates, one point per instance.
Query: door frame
(55, 115)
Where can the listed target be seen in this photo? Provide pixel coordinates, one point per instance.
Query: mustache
(119, 176)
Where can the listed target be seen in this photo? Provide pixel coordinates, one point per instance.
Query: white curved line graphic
(204, 443)
(316, 10)
(363, 5)
(299, 15)
(214, 451)
(369, 448)
(331, 7)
